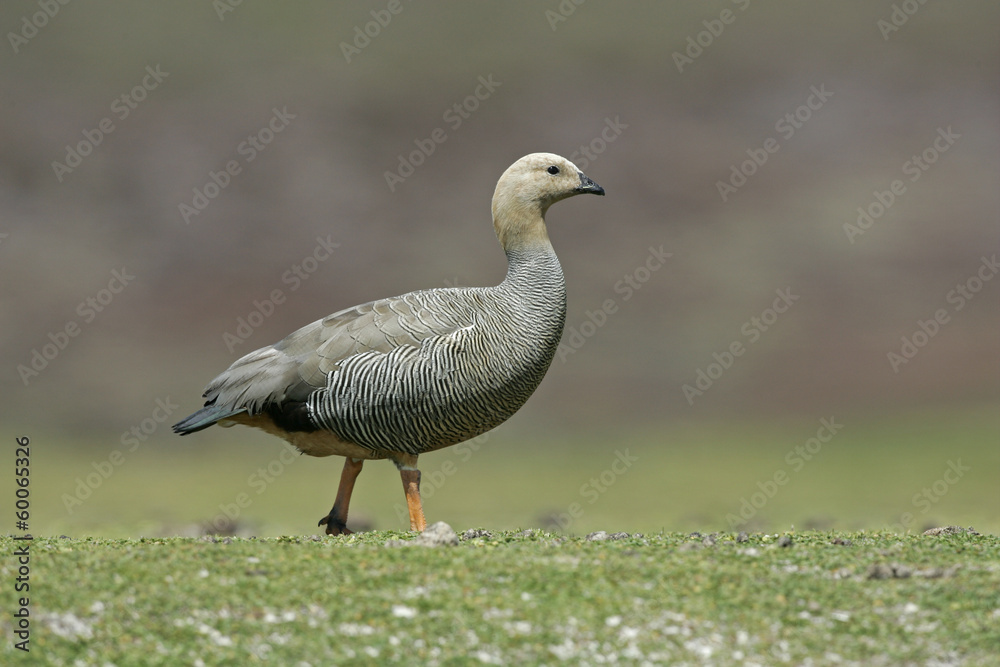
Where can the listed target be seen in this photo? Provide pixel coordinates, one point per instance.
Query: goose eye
(553, 170)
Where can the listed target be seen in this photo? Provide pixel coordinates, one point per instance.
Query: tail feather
(207, 416)
(254, 381)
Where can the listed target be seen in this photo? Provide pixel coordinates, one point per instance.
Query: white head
(527, 189)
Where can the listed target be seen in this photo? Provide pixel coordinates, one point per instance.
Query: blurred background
(783, 314)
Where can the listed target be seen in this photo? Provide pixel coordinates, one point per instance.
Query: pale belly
(313, 443)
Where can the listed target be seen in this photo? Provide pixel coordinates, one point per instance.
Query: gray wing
(298, 365)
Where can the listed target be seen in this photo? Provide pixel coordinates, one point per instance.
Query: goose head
(527, 189)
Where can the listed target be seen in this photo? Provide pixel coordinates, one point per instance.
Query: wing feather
(298, 365)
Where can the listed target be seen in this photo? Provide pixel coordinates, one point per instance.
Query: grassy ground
(512, 598)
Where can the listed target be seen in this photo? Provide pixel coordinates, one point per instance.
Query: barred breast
(450, 388)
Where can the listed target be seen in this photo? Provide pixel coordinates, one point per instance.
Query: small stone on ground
(473, 533)
(435, 535)
(951, 530)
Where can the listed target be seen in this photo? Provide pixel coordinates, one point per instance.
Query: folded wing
(298, 365)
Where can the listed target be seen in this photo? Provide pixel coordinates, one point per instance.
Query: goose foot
(334, 526)
(336, 520)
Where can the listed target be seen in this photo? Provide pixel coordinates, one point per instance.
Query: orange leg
(411, 487)
(336, 521)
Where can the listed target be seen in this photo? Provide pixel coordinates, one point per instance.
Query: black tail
(207, 416)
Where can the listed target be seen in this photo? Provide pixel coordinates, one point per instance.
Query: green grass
(512, 598)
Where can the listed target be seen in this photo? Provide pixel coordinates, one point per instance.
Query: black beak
(587, 185)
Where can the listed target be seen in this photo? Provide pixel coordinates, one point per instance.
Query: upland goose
(395, 378)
